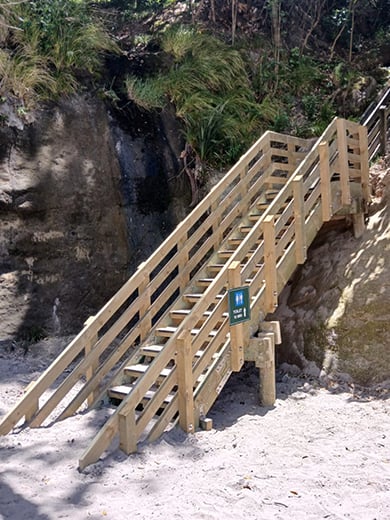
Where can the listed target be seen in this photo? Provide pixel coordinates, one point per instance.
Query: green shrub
(209, 85)
(51, 42)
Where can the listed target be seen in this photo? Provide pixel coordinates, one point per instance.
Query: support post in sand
(261, 350)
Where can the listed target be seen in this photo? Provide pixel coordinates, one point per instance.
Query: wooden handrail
(377, 120)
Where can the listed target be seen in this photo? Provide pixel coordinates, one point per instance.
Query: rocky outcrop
(75, 213)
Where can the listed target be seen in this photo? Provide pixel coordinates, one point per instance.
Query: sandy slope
(319, 453)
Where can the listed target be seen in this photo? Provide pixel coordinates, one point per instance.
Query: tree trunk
(234, 19)
(276, 31)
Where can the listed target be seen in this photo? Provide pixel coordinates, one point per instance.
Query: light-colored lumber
(190, 351)
(299, 217)
(127, 432)
(185, 383)
(270, 264)
(237, 332)
(343, 161)
(326, 195)
(364, 163)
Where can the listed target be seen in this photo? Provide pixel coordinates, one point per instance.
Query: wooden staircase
(162, 348)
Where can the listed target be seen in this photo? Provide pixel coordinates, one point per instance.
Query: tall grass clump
(209, 86)
(48, 46)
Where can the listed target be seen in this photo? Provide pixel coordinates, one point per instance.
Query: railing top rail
(371, 112)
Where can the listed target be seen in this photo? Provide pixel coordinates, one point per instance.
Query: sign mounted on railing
(239, 308)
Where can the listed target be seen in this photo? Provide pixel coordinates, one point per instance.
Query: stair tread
(198, 296)
(141, 369)
(125, 390)
(152, 349)
(172, 330)
(187, 312)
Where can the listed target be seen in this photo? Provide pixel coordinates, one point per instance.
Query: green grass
(209, 85)
(48, 45)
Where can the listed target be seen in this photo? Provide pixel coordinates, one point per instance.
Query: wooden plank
(299, 217)
(271, 293)
(209, 389)
(34, 404)
(383, 112)
(343, 161)
(165, 418)
(127, 432)
(205, 362)
(160, 396)
(185, 382)
(326, 195)
(237, 332)
(364, 165)
(104, 369)
(100, 442)
(91, 369)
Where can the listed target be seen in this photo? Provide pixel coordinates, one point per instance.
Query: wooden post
(274, 327)
(383, 111)
(127, 432)
(91, 369)
(299, 216)
(244, 190)
(238, 331)
(34, 405)
(364, 163)
(262, 351)
(145, 304)
(343, 161)
(326, 195)
(358, 224)
(185, 383)
(271, 283)
(267, 388)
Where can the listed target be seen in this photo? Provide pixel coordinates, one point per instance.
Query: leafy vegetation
(209, 86)
(230, 69)
(50, 43)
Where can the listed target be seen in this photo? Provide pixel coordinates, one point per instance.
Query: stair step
(151, 350)
(204, 282)
(254, 217)
(245, 228)
(180, 314)
(264, 205)
(237, 241)
(208, 281)
(229, 252)
(169, 331)
(195, 297)
(139, 370)
(215, 268)
(122, 391)
(119, 392)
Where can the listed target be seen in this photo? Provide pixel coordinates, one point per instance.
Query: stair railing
(109, 338)
(377, 120)
(276, 244)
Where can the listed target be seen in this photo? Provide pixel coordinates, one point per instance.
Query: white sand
(319, 453)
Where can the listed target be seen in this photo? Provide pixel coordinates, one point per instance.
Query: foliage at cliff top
(46, 46)
(207, 82)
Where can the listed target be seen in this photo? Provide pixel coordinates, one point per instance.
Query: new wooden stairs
(162, 348)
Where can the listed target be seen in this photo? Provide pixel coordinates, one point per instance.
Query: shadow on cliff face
(87, 202)
(65, 249)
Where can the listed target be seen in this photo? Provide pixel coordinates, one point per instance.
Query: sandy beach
(323, 451)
